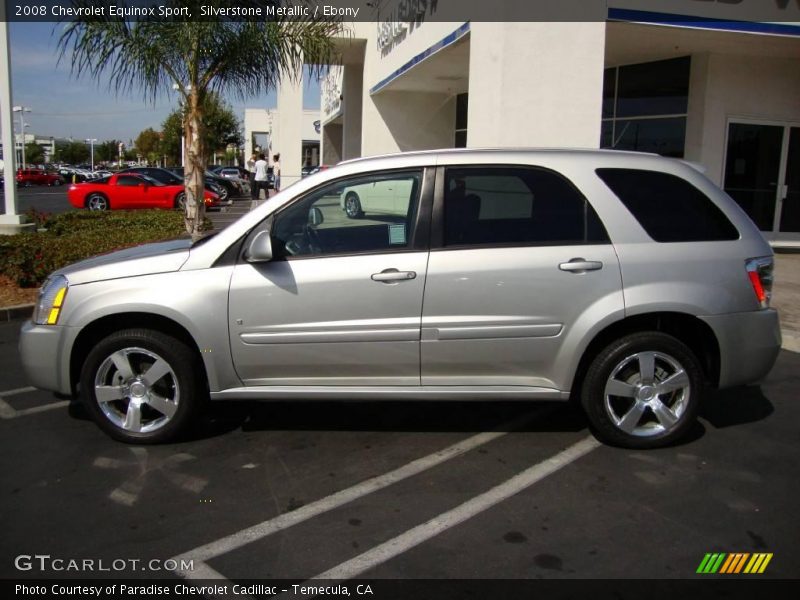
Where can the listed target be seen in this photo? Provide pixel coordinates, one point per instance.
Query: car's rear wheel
(97, 202)
(180, 200)
(643, 391)
(57, 182)
(139, 386)
(352, 206)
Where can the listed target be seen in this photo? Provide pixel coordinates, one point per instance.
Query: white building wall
(536, 84)
(397, 121)
(743, 87)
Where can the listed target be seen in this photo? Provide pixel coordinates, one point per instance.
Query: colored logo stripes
(735, 562)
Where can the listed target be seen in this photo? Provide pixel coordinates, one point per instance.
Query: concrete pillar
(331, 143)
(10, 221)
(352, 92)
(536, 84)
(288, 135)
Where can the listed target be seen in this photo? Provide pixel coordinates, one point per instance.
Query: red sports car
(128, 190)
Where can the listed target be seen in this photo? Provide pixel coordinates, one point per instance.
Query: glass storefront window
(660, 136)
(645, 107)
(656, 88)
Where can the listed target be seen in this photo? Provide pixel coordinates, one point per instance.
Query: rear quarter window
(669, 208)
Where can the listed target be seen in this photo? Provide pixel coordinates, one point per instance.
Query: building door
(761, 174)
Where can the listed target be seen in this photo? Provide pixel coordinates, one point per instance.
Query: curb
(16, 313)
(791, 339)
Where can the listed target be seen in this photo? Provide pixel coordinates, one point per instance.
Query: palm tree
(196, 57)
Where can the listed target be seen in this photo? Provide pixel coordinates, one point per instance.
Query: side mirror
(315, 216)
(260, 249)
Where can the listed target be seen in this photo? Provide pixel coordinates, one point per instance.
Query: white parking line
(433, 527)
(14, 392)
(251, 534)
(42, 408)
(6, 410)
(9, 412)
(413, 537)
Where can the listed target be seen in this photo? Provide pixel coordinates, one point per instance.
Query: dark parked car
(232, 189)
(170, 177)
(240, 173)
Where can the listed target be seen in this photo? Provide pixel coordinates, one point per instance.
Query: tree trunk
(194, 169)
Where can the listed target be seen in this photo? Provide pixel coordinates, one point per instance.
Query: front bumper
(749, 344)
(44, 360)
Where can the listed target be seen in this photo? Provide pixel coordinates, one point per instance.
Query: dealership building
(710, 81)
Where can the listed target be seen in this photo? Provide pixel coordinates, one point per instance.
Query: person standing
(261, 177)
(276, 171)
(251, 169)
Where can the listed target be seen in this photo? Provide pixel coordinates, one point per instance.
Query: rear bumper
(749, 344)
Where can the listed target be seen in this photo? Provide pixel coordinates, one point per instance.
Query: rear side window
(516, 206)
(668, 208)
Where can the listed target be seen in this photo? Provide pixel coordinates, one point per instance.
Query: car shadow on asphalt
(736, 406)
(729, 408)
(467, 417)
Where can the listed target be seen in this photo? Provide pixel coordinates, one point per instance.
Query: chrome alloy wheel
(137, 390)
(647, 393)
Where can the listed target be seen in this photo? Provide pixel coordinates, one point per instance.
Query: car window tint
(669, 208)
(516, 206)
(366, 214)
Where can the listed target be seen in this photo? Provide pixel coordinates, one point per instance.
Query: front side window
(373, 213)
(516, 206)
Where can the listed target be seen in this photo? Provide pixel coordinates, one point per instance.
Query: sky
(64, 106)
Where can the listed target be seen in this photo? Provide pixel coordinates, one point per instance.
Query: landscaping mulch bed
(12, 295)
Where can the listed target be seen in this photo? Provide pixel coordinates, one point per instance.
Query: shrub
(28, 258)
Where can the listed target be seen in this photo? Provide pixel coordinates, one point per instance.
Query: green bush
(28, 258)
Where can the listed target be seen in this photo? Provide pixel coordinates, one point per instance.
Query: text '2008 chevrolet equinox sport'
(627, 281)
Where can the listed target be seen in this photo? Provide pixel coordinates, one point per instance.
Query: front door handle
(580, 265)
(393, 275)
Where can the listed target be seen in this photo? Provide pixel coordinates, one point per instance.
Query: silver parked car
(626, 281)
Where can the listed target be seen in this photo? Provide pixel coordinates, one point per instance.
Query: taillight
(759, 270)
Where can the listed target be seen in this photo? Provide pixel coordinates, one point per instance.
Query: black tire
(180, 201)
(352, 206)
(97, 201)
(655, 406)
(119, 365)
(58, 182)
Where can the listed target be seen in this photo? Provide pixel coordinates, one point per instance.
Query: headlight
(51, 299)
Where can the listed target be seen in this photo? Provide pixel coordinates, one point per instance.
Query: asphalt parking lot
(385, 491)
(397, 490)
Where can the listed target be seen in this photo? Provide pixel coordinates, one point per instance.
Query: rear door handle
(393, 275)
(581, 265)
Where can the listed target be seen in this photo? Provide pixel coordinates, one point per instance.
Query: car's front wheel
(140, 386)
(97, 202)
(643, 391)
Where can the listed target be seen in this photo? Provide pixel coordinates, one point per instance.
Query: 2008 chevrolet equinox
(627, 281)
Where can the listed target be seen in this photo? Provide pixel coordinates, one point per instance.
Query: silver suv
(628, 282)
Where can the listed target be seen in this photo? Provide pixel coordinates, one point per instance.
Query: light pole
(91, 142)
(22, 110)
